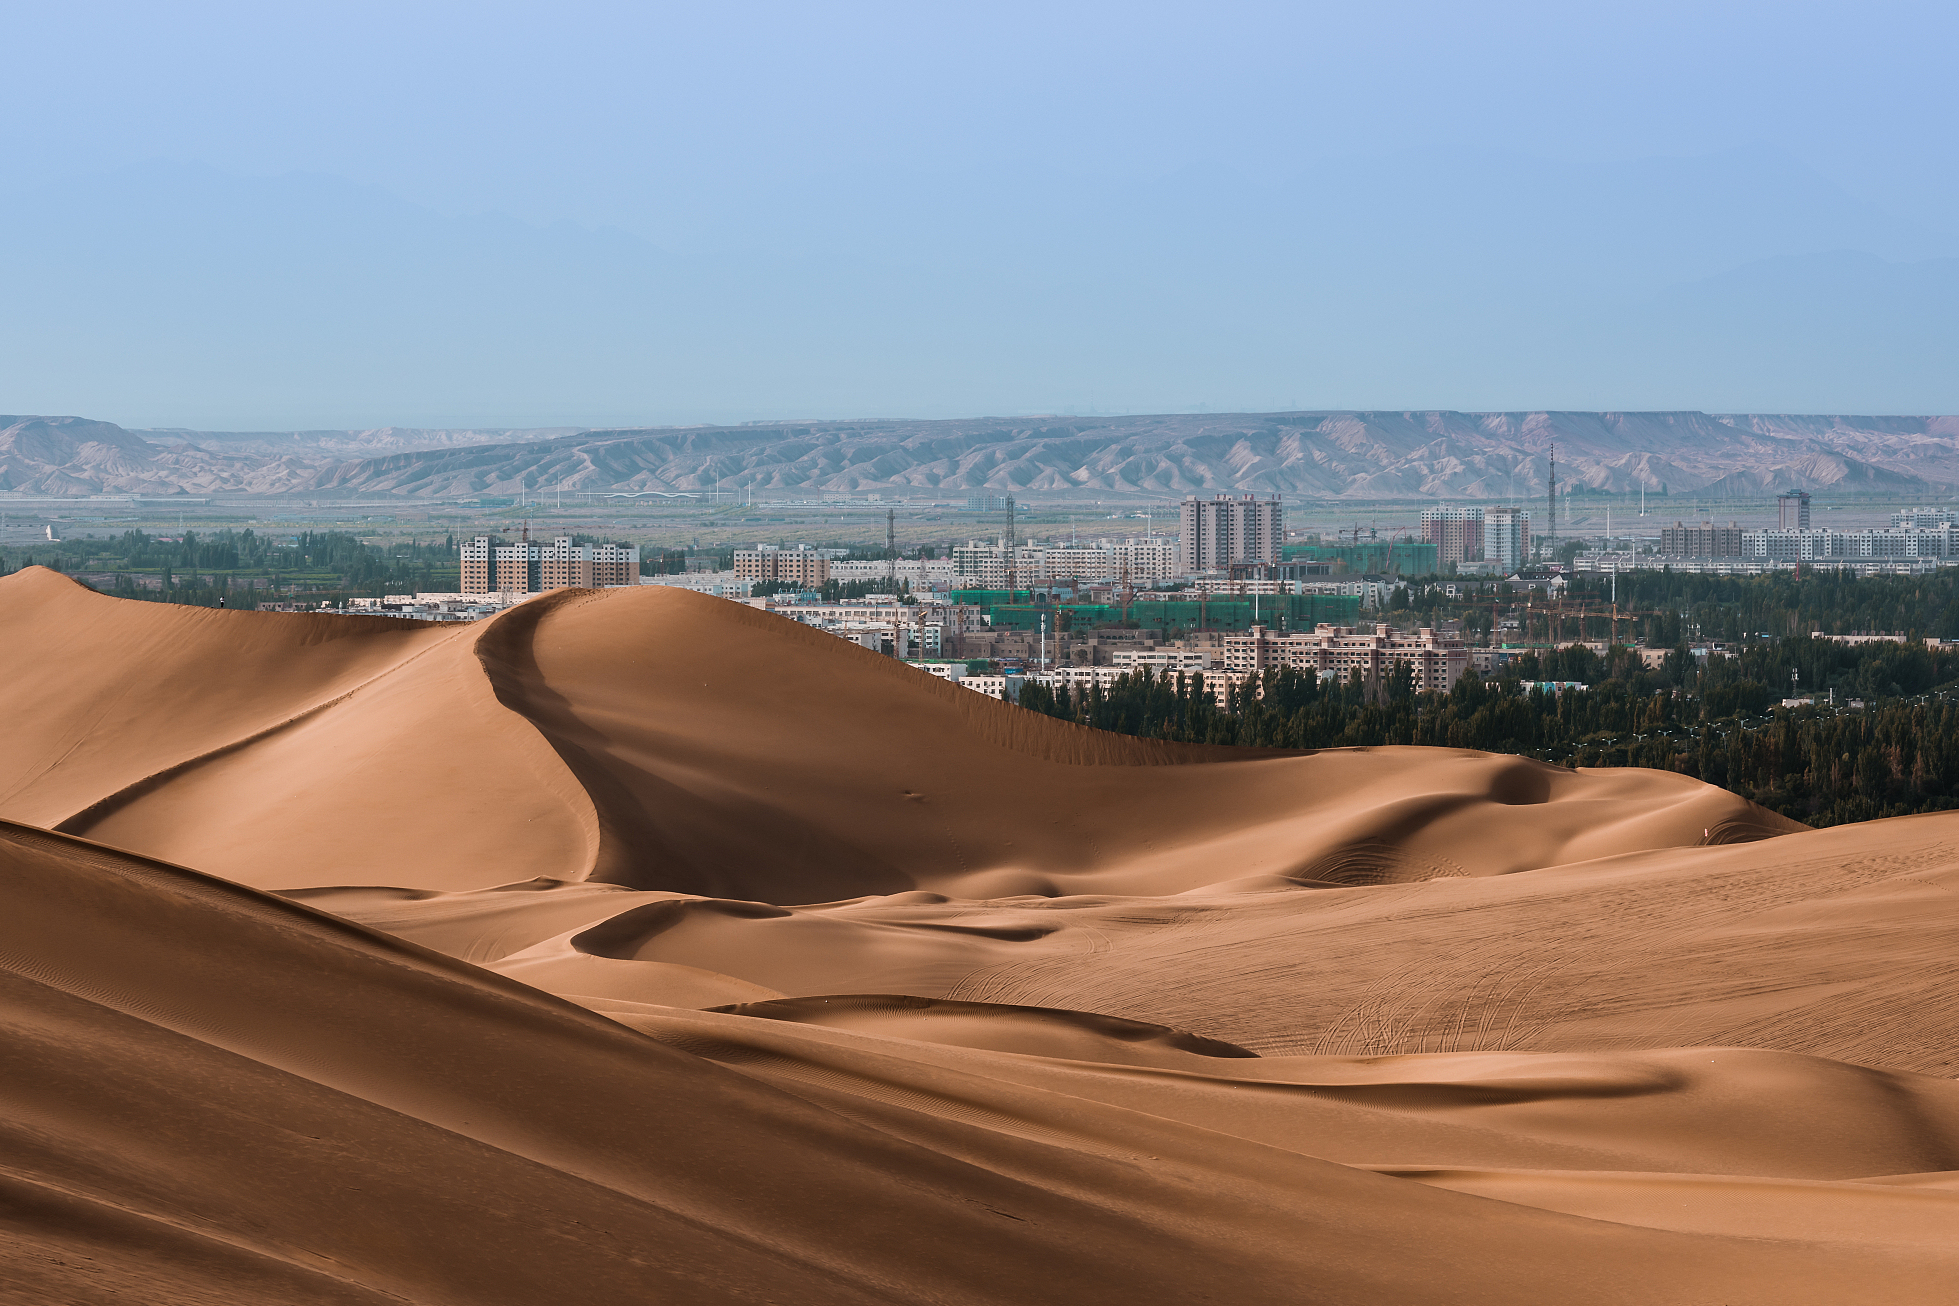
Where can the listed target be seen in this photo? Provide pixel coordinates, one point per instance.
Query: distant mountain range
(348, 444)
(1348, 455)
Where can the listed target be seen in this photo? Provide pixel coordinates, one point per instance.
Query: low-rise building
(918, 573)
(1164, 659)
(905, 630)
(721, 584)
(1341, 652)
(425, 607)
(1217, 683)
(1004, 688)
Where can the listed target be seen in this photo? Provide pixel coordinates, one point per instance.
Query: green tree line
(1722, 723)
(321, 564)
(1662, 608)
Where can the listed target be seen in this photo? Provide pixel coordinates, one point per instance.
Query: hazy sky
(829, 210)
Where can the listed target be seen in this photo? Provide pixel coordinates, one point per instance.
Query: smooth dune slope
(669, 741)
(1842, 943)
(202, 1076)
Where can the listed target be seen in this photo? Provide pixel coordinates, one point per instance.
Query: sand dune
(668, 741)
(639, 946)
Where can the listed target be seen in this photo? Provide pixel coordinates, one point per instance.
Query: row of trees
(1663, 608)
(1821, 765)
(203, 569)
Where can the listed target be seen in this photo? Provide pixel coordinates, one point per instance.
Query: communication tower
(1012, 550)
(1551, 516)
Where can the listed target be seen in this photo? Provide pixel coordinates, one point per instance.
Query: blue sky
(286, 216)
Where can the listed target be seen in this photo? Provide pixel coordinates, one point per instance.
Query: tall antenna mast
(1012, 549)
(1551, 519)
(891, 547)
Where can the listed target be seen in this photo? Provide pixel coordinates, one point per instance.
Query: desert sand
(639, 946)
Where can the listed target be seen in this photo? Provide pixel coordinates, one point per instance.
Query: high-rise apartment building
(1456, 533)
(802, 565)
(1506, 536)
(586, 566)
(1792, 511)
(478, 567)
(492, 566)
(1225, 528)
(496, 566)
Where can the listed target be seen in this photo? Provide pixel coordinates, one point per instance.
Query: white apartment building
(1337, 652)
(1062, 677)
(1218, 683)
(976, 565)
(1506, 537)
(923, 630)
(1923, 518)
(1162, 659)
(980, 566)
(1224, 529)
(1373, 592)
(1004, 688)
(1215, 584)
(1878, 543)
(721, 584)
(801, 565)
(928, 573)
(1146, 560)
(493, 566)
